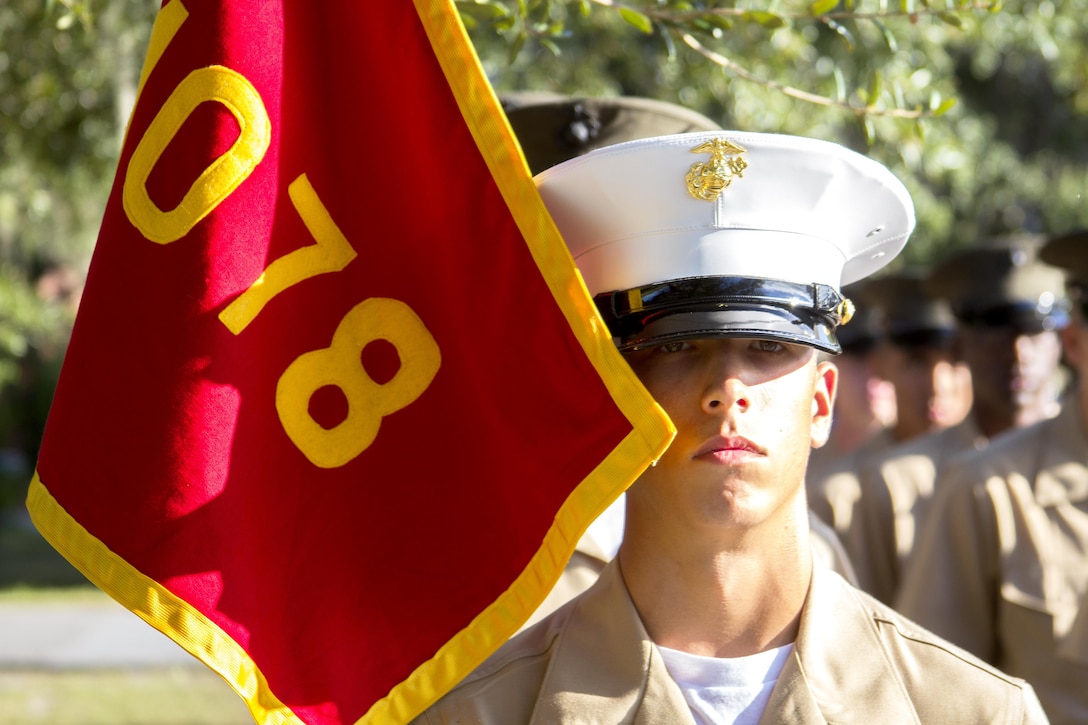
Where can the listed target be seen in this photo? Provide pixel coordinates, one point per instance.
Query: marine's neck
(719, 596)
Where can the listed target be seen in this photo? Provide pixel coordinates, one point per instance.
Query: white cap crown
(723, 204)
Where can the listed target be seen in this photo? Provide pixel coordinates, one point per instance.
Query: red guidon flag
(337, 406)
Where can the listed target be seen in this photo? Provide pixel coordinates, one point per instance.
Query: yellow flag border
(652, 430)
(651, 433)
(156, 605)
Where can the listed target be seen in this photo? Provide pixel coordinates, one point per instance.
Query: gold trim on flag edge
(156, 605)
(651, 433)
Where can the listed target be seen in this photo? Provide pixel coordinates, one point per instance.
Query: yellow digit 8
(215, 183)
(339, 365)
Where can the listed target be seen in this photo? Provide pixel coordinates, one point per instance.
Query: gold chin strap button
(845, 311)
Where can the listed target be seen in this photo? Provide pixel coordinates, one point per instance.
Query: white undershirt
(726, 691)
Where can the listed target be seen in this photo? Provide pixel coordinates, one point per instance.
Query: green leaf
(843, 32)
(906, 6)
(820, 7)
(482, 10)
(637, 19)
(944, 106)
(875, 87)
(515, 48)
(670, 47)
(889, 38)
(551, 46)
(870, 130)
(583, 8)
(840, 85)
(704, 27)
(718, 21)
(764, 18)
(952, 19)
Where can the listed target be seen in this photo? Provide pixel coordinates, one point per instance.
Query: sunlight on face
(747, 412)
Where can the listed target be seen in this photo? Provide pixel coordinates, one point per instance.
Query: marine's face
(1010, 370)
(932, 389)
(1075, 344)
(747, 412)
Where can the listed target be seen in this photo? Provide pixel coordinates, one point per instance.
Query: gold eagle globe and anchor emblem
(707, 179)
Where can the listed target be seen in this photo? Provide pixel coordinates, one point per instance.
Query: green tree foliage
(981, 109)
(67, 75)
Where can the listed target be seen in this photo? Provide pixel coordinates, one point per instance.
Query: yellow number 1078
(379, 318)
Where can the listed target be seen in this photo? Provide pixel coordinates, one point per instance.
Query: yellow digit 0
(214, 83)
(339, 365)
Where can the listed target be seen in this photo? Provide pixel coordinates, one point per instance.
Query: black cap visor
(927, 339)
(709, 307)
(1023, 317)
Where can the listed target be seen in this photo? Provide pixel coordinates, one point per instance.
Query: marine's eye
(768, 345)
(669, 347)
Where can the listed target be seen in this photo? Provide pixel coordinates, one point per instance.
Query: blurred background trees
(68, 72)
(981, 109)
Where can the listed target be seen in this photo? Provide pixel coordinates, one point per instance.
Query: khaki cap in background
(552, 128)
(1002, 283)
(1069, 252)
(911, 315)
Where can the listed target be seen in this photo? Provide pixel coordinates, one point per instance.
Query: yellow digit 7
(377, 318)
(331, 253)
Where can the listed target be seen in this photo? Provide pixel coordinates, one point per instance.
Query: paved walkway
(97, 632)
(86, 630)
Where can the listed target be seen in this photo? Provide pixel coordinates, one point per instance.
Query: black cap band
(724, 307)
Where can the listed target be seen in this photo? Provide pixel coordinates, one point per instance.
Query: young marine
(551, 129)
(716, 259)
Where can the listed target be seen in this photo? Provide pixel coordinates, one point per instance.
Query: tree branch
(741, 72)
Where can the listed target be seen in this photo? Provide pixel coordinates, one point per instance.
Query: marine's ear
(1074, 338)
(825, 386)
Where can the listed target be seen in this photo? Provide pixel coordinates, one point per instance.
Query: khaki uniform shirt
(896, 489)
(854, 661)
(1001, 567)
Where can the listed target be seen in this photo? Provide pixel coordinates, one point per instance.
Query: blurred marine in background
(1001, 565)
(1008, 306)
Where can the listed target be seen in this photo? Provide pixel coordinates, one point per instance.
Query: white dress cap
(727, 209)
